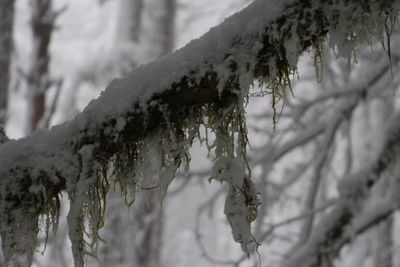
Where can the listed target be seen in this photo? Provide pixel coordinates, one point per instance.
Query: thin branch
(331, 229)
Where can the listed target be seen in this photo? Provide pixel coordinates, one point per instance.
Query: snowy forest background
(330, 129)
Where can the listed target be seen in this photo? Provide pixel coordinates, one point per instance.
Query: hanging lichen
(113, 150)
(231, 167)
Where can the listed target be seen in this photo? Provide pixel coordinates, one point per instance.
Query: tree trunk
(130, 20)
(37, 78)
(149, 24)
(6, 46)
(148, 213)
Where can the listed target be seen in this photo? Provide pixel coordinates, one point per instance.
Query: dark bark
(6, 47)
(42, 26)
(136, 20)
(168, 26)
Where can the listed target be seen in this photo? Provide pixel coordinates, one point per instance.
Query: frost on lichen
(343, 25)
(231, 167)
(241, 202)
(152, 138)
(152, 162)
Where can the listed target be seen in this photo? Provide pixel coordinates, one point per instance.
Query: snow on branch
(156, 112)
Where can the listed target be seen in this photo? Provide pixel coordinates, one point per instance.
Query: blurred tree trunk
(150, 24)
(37, 77)
(382, 235)
(130, 20)
(384, 249)
(374, 247)
(6, 46)
(136, 239)
(162, 27)
(148, 213)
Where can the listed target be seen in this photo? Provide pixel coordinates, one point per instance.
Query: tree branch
(204, 83)
(332, 232)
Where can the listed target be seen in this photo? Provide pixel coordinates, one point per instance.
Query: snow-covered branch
(158, 109)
